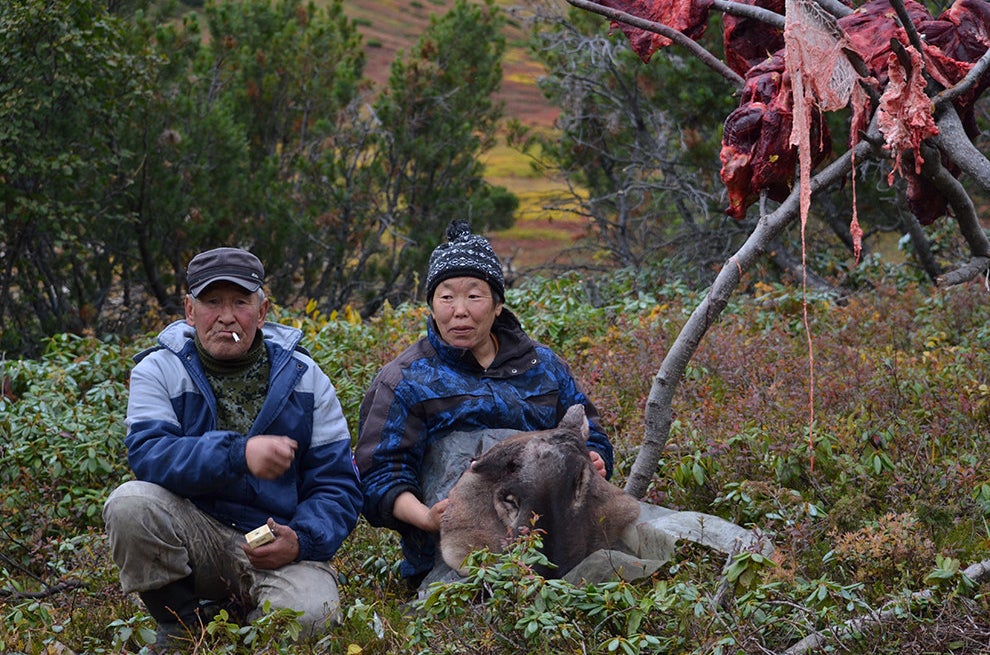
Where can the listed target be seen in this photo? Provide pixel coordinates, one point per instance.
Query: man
(230, 426)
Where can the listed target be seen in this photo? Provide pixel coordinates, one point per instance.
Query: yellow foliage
(891, 548)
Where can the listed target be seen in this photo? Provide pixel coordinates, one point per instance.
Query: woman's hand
(409, 509)
(597, 462)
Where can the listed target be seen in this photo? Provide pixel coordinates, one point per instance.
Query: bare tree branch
(781, 255)
(954, 144)
(979, 572)
(957, 148)
(663, 30)
(750, 11)
(908, 25)
(976, 572)
(835, 7)
(49, 590)
(872, 620)
(965, 84)
(921, 245)
(959, 200)
(658, 404)
(974, 267)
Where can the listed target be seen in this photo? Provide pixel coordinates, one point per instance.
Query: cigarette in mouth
(235, 337)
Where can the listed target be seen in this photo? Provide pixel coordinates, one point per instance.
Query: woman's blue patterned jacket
(433, 389)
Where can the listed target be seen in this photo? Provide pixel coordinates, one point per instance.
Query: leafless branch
(974, 267)
(908, 25)
(750, 11)
(835, 8)
(956, 147)
(49, 590)
(788, 261)
(658, 404)
(953, 143)
(979, 572)
(976, 572)
(965, 84)
(663, 30)
(814, 641)
(959, 200)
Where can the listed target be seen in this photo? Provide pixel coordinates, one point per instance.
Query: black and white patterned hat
(465, 255)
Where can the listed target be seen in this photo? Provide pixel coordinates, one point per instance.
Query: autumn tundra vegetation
(784, 328)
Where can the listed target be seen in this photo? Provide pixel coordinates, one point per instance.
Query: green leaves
(946, 571)
(740, 431)
(746, 568)
(503, 604)
(128, 142)
(69, 84)
(439, 116)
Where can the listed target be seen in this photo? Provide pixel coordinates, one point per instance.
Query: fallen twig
(49, 590)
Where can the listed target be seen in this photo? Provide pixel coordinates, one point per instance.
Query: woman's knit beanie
(465, 255)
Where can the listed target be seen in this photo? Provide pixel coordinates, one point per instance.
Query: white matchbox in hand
(260, 536)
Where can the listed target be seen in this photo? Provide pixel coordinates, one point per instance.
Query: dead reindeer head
(547, 475)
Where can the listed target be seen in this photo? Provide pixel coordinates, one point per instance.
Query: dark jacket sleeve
(389, 449)
(571, 394)
(329, 490)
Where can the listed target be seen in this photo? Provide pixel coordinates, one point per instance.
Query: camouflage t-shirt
(240, 387)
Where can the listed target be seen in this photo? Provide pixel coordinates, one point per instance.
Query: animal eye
(509, 499)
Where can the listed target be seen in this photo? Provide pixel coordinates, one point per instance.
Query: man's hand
(284, 550)
(269, 456)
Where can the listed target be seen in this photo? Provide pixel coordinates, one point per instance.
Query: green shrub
(900, 429)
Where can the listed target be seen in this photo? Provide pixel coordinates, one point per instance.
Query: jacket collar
(180, 335)
(516, 351)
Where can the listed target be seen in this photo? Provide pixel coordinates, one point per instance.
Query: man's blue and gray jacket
(173, 441)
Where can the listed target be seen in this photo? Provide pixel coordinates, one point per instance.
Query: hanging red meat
(689, 17)
(756, 155)
(748, 41)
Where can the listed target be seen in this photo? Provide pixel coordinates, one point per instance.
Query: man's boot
(174, 608)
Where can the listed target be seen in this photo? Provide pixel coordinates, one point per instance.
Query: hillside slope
(389, 26)
(540, 234)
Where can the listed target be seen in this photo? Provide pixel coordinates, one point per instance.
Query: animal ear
(575, 419)
(582, 487)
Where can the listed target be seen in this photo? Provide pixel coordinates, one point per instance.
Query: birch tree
(908, 82)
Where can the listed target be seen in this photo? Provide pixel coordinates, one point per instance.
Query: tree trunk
(658, 404)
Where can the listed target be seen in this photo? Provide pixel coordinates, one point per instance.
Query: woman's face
(226, 318)
(464, 310)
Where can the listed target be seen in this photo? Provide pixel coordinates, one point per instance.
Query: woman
(475, 378)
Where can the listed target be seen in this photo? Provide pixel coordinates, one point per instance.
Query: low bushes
(879, 503)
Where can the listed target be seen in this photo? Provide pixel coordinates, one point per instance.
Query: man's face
(221, 311)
